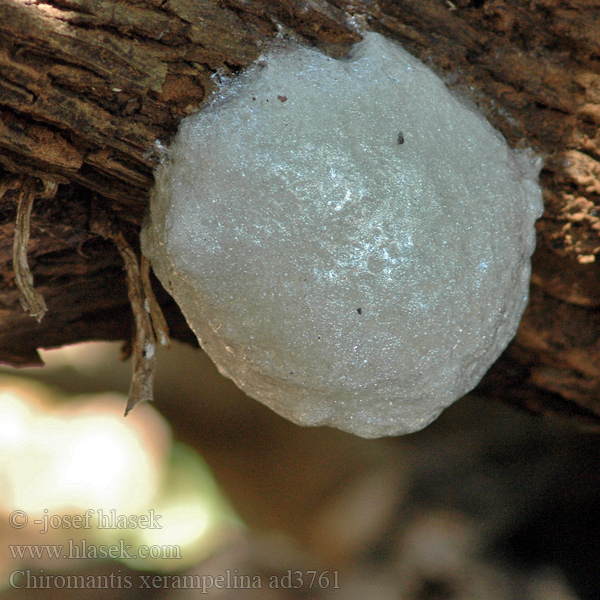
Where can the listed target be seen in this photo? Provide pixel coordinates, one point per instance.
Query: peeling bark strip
(87, 88)
(144, 342)
(144, 345)
(31, 301)
(146, 311)
(161, 329)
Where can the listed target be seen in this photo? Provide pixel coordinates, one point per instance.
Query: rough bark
(90, 91)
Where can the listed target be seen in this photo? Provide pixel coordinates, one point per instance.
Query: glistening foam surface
(348, 241)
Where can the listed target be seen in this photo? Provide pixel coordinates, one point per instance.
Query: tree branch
(90, 92)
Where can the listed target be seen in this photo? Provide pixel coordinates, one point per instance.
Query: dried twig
(31, 300)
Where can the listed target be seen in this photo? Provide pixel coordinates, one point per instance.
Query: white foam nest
(348, 241)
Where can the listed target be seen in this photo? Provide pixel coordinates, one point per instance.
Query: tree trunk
(90, 91)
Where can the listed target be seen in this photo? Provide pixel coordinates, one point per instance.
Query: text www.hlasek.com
(82, 550)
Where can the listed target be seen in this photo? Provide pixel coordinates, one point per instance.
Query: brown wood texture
(91, 91)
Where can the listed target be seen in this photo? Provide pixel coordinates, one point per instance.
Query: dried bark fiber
(87, 87)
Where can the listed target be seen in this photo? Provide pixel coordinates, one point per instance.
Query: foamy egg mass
(349, 242)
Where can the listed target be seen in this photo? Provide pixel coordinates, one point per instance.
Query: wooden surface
(91, 91)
